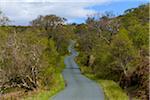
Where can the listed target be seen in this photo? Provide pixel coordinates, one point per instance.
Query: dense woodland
(117, 48)
(110, 47)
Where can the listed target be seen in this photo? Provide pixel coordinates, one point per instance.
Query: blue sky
(23, 11)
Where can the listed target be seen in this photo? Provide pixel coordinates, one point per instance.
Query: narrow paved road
(78, 86)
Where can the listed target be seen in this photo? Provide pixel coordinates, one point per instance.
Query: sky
(21, 12)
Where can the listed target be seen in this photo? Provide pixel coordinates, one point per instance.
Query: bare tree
(105, 25)
(20, 64)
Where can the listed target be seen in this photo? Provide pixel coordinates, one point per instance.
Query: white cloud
(18, 11)
(23, 11)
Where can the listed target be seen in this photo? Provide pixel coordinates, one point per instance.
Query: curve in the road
(78, 86)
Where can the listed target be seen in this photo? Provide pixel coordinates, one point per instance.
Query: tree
(20, 66)
(122, 50)
(61, 36)
(105, 26)
(48, 23)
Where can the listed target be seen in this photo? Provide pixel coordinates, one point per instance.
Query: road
(78, 86)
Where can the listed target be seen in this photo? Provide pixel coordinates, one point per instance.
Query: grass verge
(47, 94)
(111, 89)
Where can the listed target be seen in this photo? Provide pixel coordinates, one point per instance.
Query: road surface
(78, 86)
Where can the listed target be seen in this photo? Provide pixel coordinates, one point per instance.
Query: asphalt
(78, 87)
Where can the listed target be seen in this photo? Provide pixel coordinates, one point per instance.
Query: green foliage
(110, 48)
(117, 44)
(62, 35)
(36, 59)
(48, 21)
(49, 62)
(121, 46)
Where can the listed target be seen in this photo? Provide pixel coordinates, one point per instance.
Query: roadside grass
(112, 90)
(47, 94)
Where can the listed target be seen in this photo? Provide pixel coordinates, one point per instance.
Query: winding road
(78, 86)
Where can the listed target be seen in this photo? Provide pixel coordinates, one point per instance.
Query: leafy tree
(122, 50)
(48, 22)
(61, 36)
(119, 46)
